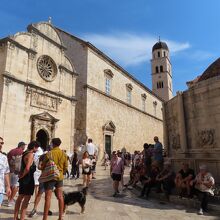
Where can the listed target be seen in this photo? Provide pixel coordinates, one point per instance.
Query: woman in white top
(86, 169)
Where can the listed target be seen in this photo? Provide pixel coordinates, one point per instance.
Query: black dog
(71, 198)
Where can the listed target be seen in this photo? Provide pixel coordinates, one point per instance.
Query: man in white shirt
(4, 174)
(92, 150)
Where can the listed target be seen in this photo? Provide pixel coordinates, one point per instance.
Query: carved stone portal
(108, 131)
(45, 122)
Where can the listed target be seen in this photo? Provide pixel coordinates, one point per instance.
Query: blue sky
(127, 29)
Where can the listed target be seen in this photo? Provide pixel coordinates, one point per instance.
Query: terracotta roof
(212, 71)
(192, 82)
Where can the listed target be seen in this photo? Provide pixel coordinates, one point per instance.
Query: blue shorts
(1, 198)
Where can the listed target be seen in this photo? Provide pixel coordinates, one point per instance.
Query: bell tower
(161, 71)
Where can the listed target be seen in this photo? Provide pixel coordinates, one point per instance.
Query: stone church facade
(192, 123)
(53, 84)
(37, 88)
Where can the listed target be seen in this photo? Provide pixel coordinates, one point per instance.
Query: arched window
(161, 68)
(160, 85)
(164, 53)
(158, 54)
(157, 69)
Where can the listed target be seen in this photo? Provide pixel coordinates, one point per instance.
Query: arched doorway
(108, 131)
(42, 138)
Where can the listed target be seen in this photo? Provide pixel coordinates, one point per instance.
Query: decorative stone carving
(175, 141)
(11, 46)
(8, 81)
(28, 90)
(173, 131)
(155, 103)
(44, 101)
(144, 96)
(206, 137)
(31, 56)
(109, 126)
(47, 68)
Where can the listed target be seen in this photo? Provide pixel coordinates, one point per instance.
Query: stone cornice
(31, 28)
(61, 67)
(129, 86)
(8, 39)
(109, 73)
(120, 101)
(32, 85)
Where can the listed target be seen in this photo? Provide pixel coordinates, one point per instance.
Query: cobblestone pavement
(101, 205)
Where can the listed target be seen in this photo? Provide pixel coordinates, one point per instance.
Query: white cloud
(130, 49)
(200, 55)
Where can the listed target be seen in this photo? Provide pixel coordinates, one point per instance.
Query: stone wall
(3, 52)
(132, 128)
(16, 115)
(194, 133)
(77, 52)
(96, 78)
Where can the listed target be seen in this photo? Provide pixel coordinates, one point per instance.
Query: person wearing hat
(203, 185)
(12, 155)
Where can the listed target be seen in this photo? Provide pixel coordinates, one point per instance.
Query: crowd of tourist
(150, 168)
(34, 170)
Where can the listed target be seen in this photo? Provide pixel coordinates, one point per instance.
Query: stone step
(181, 201)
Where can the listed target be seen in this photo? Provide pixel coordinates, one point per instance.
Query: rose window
(46, 68)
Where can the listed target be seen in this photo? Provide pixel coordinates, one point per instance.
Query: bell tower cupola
(161, 71)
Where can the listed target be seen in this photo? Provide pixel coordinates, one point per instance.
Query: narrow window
(129, 96)
(160, 84)
(158, 54)
(143, 104)
(161, 68)
(157, 69)
(164, 54)
(155, 108)
(107, 86)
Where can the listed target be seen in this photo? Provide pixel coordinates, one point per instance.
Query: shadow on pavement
(101, 189)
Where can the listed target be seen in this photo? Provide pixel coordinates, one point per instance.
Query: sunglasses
(1, 142)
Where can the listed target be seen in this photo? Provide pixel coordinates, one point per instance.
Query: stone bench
(214, 202)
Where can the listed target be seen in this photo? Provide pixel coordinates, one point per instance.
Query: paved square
(102, 206)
